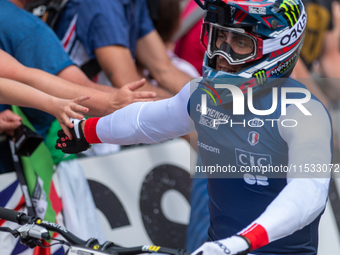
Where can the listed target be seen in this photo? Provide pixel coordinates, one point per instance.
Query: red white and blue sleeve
(143, 122)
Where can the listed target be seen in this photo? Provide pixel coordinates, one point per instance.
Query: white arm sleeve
(305, 195)
(149, 122)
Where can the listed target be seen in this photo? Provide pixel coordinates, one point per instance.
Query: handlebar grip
(13, 216)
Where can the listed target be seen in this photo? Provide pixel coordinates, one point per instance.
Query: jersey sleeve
(148, 122)
(305, 195)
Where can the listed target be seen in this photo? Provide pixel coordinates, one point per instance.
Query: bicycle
(33, 229)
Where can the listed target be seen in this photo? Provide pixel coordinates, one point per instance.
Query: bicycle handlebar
(22, 219)
(14, 216)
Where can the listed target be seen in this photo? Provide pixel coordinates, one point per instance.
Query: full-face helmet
(263, 37)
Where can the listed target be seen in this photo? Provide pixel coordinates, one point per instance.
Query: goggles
(234, 44)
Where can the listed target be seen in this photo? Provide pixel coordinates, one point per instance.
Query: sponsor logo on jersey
(213, 118)
(261, 180)
(256, 122)
(246, 158)
(253, 138)
(208, 147)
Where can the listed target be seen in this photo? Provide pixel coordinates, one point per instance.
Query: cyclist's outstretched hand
(78, 142)
(235, 245)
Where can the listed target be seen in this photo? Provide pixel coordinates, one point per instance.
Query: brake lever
(30, 242)
(24, 232)
(34, 231)
(30, 234)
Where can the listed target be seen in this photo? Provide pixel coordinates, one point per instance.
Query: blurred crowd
(105, 55)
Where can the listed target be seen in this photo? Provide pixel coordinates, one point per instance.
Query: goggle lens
(240, 44)
(234, 44)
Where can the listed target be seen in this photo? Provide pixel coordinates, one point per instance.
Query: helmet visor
(234, 44)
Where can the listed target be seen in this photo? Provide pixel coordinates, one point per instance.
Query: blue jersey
(277, 210)
(244, 142)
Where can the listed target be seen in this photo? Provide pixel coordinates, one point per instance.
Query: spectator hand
(235, 245)
(63, 110)
(127, 95)
(9, 121)
(77, 144)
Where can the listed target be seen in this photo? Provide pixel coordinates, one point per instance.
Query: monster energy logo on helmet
(260, 77)
(291, 11)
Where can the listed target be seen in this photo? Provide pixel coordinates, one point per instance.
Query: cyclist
(251, 46)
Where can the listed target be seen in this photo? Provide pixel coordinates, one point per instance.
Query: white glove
(235, 245)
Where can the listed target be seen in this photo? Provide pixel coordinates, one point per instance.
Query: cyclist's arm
(304, 197)
(148, 122)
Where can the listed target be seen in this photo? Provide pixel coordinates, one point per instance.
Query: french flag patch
(253, 138)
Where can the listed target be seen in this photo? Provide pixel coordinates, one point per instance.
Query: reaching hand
(9, 121)
(64, 109)
(235, 245)
(77, 144)
(127, 95)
